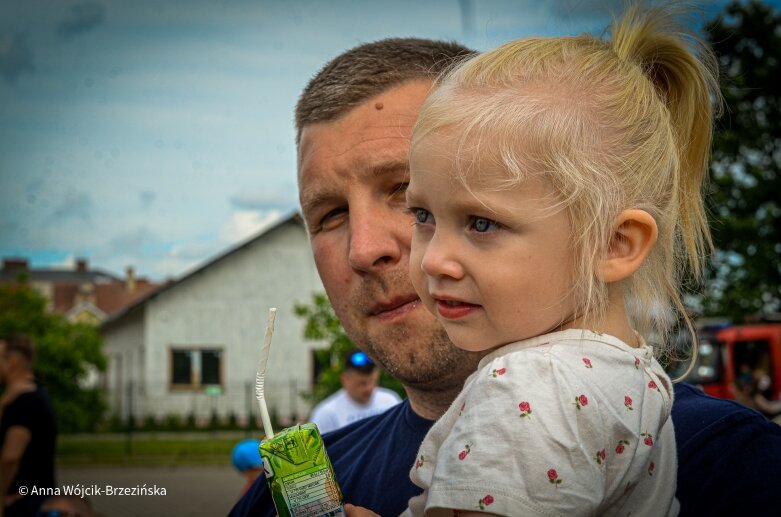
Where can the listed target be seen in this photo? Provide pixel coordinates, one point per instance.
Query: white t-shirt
(340, 409)
(569, 423)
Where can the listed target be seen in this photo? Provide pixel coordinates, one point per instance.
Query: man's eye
(401, 188)
(482, 225)
(332, 216)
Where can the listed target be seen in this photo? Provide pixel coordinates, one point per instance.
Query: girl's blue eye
(482, 225)
(422, 216)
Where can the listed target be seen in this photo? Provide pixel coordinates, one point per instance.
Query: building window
(182, 367)
(210, 367)
(195, 368)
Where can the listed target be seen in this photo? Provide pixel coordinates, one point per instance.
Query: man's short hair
(359, 362)
(370, 69)
(19, 344)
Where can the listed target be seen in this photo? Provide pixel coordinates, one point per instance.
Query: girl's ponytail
(684, 72)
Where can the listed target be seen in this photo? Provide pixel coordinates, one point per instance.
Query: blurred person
(246, 459)
(27, 429)
(65, 506)
(354, 122)
(755, 392)
(360, 396)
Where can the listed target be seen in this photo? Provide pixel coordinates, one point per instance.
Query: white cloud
(246, 223)
(69, 262)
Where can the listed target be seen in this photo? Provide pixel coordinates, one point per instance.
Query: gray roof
(293, 217)
(65, 276)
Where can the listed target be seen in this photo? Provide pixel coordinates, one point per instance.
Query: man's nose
(377, 237)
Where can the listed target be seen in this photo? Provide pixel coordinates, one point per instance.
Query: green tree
(745, 277)
(64, 353)
(322, 325)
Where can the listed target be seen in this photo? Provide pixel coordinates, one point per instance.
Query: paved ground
(193, 491)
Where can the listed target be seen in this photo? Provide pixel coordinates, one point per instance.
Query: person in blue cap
(246, 459)
(360, 397)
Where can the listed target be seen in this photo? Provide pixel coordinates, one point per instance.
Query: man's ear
(634, 235)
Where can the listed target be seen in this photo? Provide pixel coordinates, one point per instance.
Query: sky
(157, 133)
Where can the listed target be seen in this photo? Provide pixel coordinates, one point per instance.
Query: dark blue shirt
(729, 457)
(371, 460)
(729, 460)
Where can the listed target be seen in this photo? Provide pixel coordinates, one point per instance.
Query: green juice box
(300, 475)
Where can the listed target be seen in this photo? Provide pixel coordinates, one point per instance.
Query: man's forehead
(357, 374)
(381, 122)
(354, 143)
(326, 164)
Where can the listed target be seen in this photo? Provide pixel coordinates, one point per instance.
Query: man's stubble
(416, 351)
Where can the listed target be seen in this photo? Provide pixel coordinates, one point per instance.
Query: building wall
(124, 343)
(45, 289)
(226, 306)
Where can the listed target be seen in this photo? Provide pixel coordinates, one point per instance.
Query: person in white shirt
(360, 397)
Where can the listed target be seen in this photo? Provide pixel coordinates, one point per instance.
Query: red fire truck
(729, 353)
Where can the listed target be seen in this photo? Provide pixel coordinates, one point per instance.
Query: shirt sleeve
(324, 420)
(528, 440)
(20, 413)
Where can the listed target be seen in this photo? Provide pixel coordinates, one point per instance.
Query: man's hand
(358, 511)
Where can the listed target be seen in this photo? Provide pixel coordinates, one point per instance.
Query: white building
(192, 347)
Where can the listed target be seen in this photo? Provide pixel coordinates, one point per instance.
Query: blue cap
(360, 359)
(246, 455)
(357, 360)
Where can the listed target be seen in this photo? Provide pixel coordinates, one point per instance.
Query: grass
(144, 451)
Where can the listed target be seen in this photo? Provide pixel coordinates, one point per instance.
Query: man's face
(358, 385)
(353, 173)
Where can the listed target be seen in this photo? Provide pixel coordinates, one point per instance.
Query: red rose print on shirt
(419, 462)
(600, 456)
(637, 363)
(620, 446)
(525, 408)
(553, 477)
(648, 440)
(628, 402)
(653, 386)
(651, 469)
(580, 401)
(587, 362)
(464, 453)
(497, 373)
(485, 501)
(462, 409)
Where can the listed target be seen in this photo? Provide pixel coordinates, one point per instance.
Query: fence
(227, 406)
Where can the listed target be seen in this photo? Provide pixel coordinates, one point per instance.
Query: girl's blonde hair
(612, 124)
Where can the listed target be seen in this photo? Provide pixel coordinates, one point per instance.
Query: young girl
(556, 189)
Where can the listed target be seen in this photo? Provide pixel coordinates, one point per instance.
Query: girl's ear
(634, 235)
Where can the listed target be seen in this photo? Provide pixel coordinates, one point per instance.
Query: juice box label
(311, 493)
(300, 475)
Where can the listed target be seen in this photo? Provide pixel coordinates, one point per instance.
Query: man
(246, 460)
(354, 122)
(27, 429)
(359, 398)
